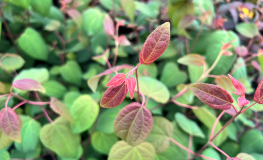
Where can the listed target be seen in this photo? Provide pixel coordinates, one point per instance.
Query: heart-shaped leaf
(177, 76)
(160, 134)
(28, 85)
(155, 44)
(58, 137)
(154, 89)
(212, 95)
(123, 151)
(103, 142)
(11, 124)
(58, 107)
(84, 111)
(188, 125)
(30, 134)
(258, 96)
(192, 59)
(113, 96)
(117, 80)
(133, 123)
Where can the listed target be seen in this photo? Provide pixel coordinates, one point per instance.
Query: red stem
(19, 104)
(43, 109)
(183, 105)
(214, 126)
(190, 145)
(219, 150)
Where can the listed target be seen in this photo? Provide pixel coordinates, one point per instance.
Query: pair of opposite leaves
(152, 49)
(218, 98)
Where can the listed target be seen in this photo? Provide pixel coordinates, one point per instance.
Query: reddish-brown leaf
(11, 124)
(212, 95)
(108, 25)
(117, 80)
(131, 83)
(133, 123)
(155, 44)
(28, 85)
(239, 87)
(258, 96)
(113, 96)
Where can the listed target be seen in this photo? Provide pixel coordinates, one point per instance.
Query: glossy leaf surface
(117, 80)
(258, 96)
(113, 96)
(58, 137)
(84, 111)
(133, 123)
(58, 107)
(28, 85)
(11, 124)
(155, 44)
(161, 132)
(123, 151)
(188, 125)
(30, 134)
(212, 95)
(192, 59)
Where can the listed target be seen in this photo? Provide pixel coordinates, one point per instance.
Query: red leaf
(123, 41)
(117, 80)
(28, 85)
(133, 123)
(113, 96)
(131, 83)
(239, 87)
(11, 124)
(241, 51)
(258, 96)
(108, 25)
(155, 44)
(242, 101)
(212, 95)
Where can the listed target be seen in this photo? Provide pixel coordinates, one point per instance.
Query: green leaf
(92, 21)
(151, 9)
(4, 155)
(232, 131)
(4, 140)
(160, 134)
(84, 111)
(195, 73)
(187, 97)
(177, 10)
(54, 89)
(58, 107)
(71, 72)
(55, 14)
(110, 4)
(12, 62)
(240, 69)
(208, 119)
(212, 153)
(58, 137)
(257, 156)
(252, 142)
(204, 6)
(103, 142)
(22, 3)
(169, 52)
(123, 151)
(154, 89)
(70, 97)
(39, 74)
(148, 70)
(29, 134)
(106, 119)
(129, 8)
(80, 152)
(41, 6)
(245, 156)
(188, 125)
(172, 76)
(38, 50)
(248, 30)
(230, 148)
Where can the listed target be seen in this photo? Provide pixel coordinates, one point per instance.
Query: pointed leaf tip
(239, 87)
(131, 83)
(258, 96)
(212, 95)
(155, 44)
(117, 80)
